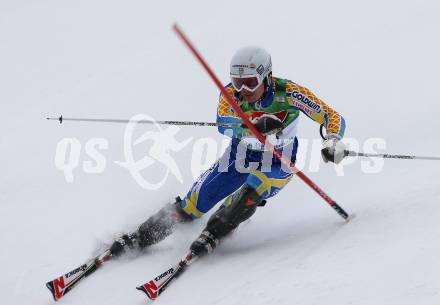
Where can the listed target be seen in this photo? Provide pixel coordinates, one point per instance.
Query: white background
(376, 62)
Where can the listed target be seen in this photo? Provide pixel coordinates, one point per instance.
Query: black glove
(268, 124)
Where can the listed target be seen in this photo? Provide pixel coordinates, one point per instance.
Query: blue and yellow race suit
(283, 99)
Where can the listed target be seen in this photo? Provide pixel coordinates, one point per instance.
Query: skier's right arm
(226, 115)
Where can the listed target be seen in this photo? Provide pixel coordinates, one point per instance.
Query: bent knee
(264, 185)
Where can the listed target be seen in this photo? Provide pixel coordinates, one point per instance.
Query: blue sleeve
(226, 115)
(230, 131)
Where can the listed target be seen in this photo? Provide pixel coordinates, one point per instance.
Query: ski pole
(61, 119)
(254, 130)
(349, 153)
(387, 156)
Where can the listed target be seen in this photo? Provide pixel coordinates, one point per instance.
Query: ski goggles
(248, 82)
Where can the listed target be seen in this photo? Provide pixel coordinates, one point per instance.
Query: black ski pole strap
(321, 132)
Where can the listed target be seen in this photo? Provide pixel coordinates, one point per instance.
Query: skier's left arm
(226, 115)
(307, 102)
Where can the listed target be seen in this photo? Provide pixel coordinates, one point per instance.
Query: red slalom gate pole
(254, 130)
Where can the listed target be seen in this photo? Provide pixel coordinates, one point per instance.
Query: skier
(246, 175)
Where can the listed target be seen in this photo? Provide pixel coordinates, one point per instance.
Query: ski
(63, 284)
(157, 286)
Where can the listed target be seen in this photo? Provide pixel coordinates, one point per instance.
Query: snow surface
(375, 61)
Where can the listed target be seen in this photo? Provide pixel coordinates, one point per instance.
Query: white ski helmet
(249, 67)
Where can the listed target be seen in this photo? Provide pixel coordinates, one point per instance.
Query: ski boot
(153, 230)
(204, 244)
(125, 241)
